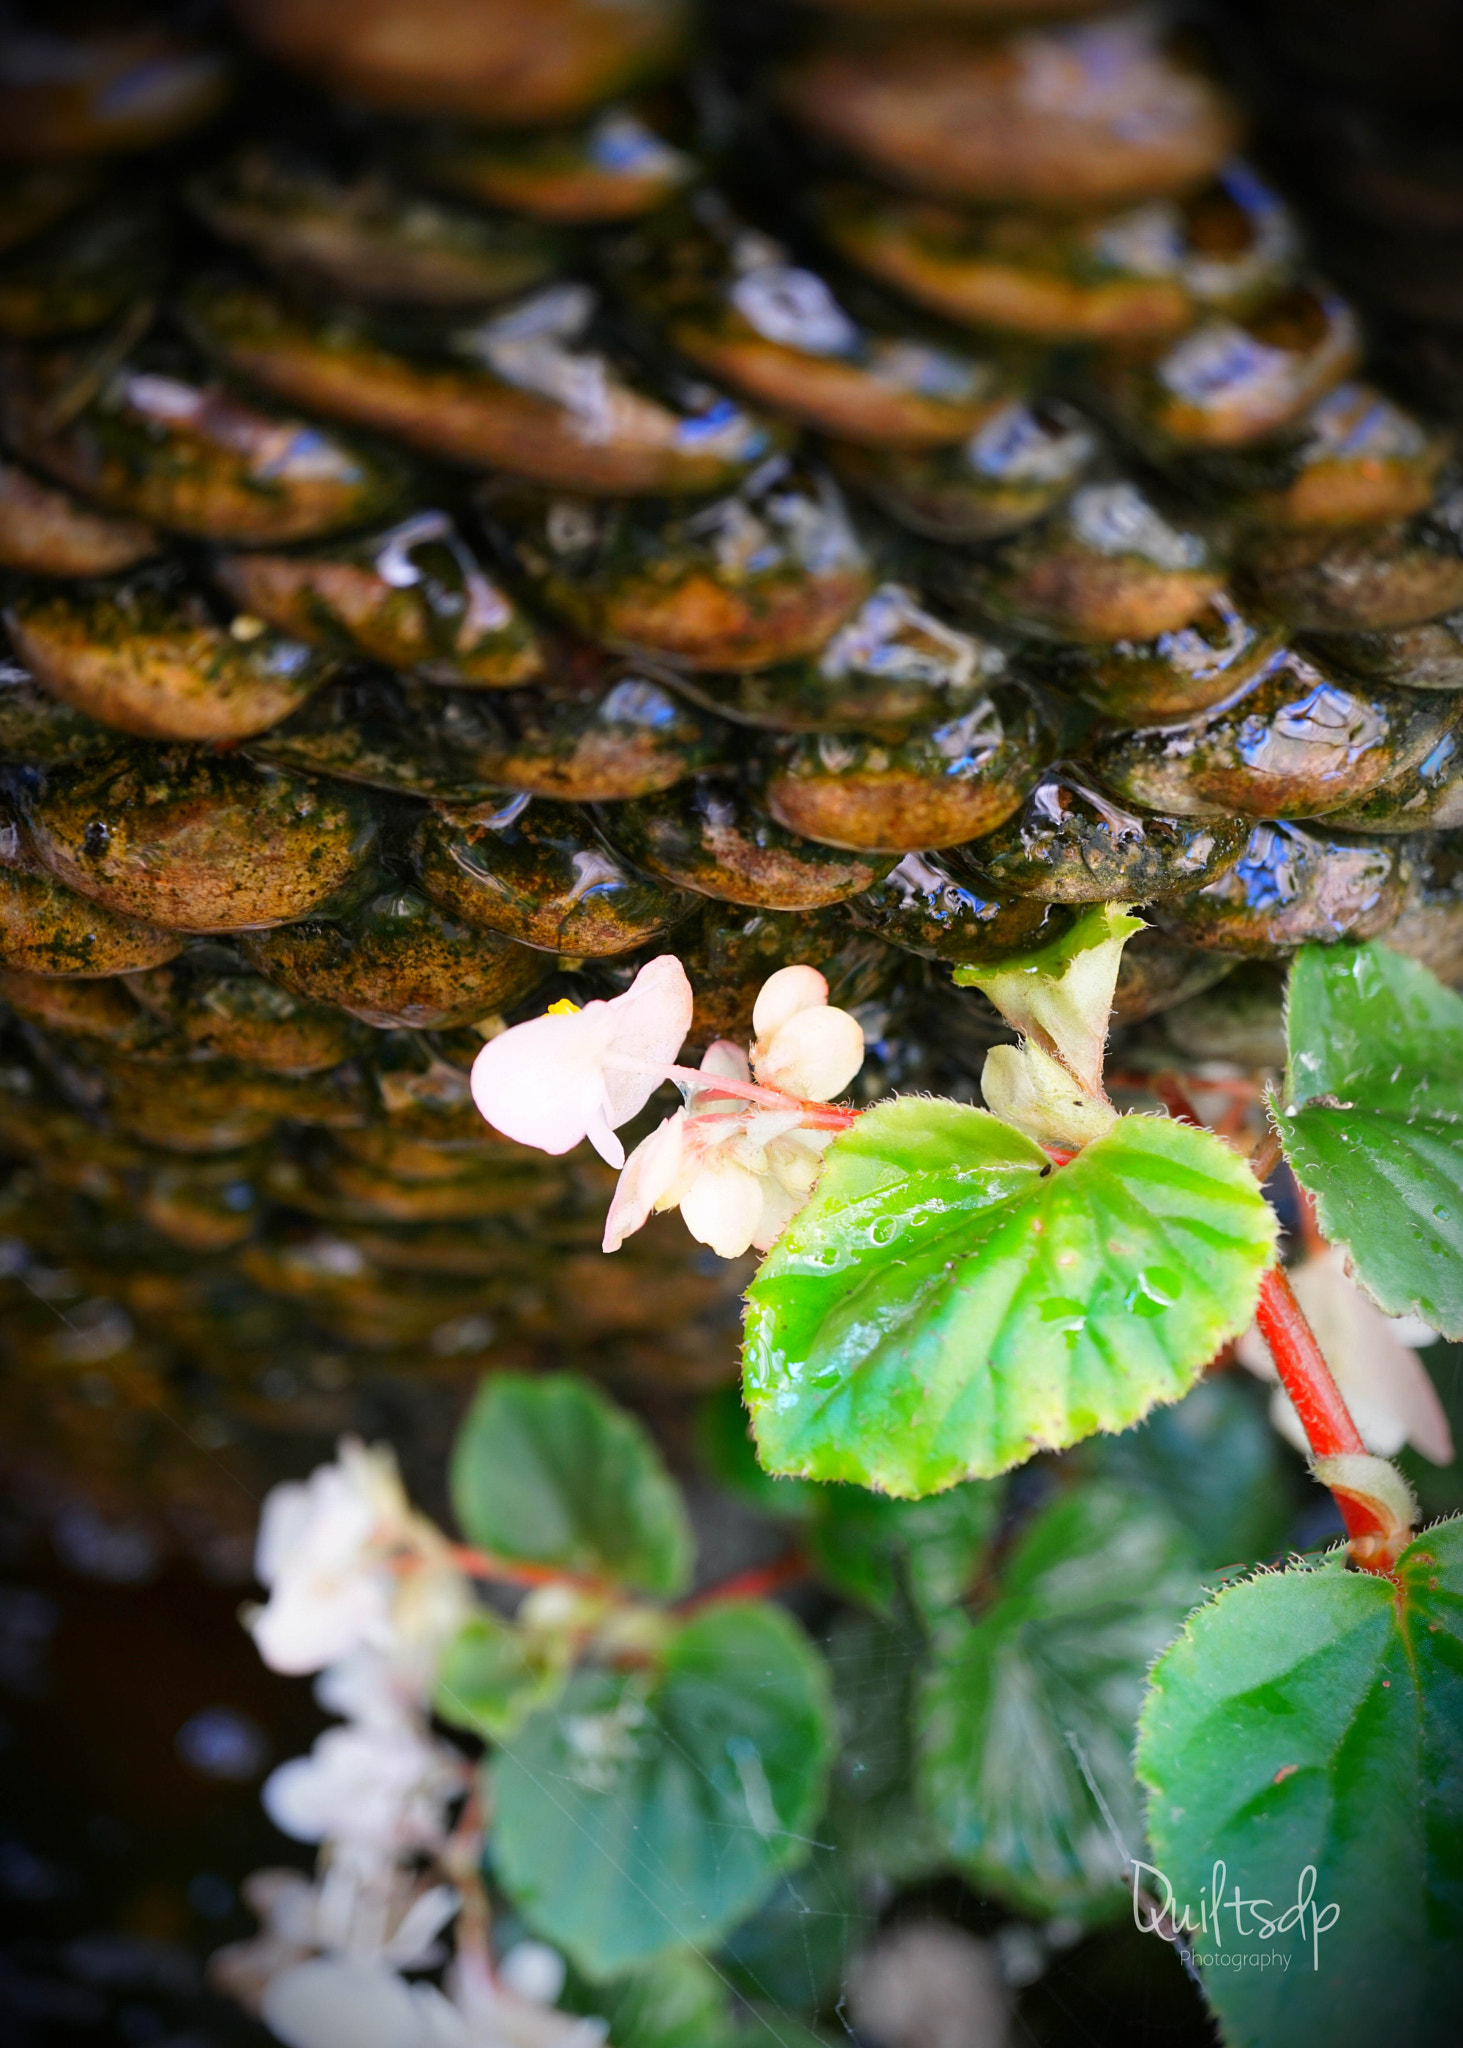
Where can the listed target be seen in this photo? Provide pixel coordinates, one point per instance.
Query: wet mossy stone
(613, 168)
(710, 836)
(925, 906)
(103, 1007)
(205, 1205)
(539, 872)
(1174, 674)
(1158, 971)
(1430, 928)
(1232, 381)
(197, 841)
(46, 928)
(389, 732)
(151, 439)
(1422, 657)
(419, 1093)
(361, 235)
(148, 655)
(35, 196)
(1140, 274)
(729, 953)
(1355, 459)
(735, 302)
(1292, 886)
(208, 996)
(479, 1190)
(1424, 798)
(85, 273)
(399, 960)
(194, 1105)
(413, 597)
(935, 788)
(44, 531)
(1246, 1024)
(407, 1157)
(764, 575)
(514, 63)
(600, 732)
(1020, 462)
(529, 389)
(1109, 565)
(1072, 842)
(596, 731)
(1300, 742)
(38, 729)
(968, 119)
(1373, 578)
(896, 664)
(100, 86)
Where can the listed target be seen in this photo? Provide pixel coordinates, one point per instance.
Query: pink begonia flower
(739, 1172)
(340, 2003)
(392, 1916)
(371, 1783)
(348, 1563)
(1382, 1380)
(575, 1074)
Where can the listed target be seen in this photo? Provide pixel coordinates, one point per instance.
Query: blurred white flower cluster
(740, 1159)
(364, 1593)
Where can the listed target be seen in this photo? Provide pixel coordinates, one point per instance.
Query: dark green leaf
(863, 1544)
(1373, 1121)
(654, 1809)
(1312, 1721)
(874, 1817)
(1042, 1691)
(495, 1674)
(724, 1437)
(871, 1548)
(948, 1303)
(677, 2001)
(793, 1951)
(549, 1471)
(1214, 1460)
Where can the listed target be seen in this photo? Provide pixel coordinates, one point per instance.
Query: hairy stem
(481, 1564)
(1304, 1373)
(750, 1585)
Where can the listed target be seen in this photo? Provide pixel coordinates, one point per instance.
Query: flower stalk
(1370, 1494)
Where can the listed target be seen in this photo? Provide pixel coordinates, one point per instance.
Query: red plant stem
(481, 1564)
(750, 1585)
(1303, 1371)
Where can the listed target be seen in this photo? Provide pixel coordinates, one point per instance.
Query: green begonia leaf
(494, 1674)
(1372, 1121)
(1306, 1733)
(1215, 1461)
(724, 1438)
(948, 1302)
(1040, 1693)
(652, 1809)
(548, 1471)
(677, 2001)
(871, 1548)
(864, 1545)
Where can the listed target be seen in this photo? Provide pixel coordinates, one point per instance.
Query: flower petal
(650, 1173)
(543, 1083)
(648, 1026)
(814, 1055)
(722, 1207)
(784, 994)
